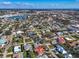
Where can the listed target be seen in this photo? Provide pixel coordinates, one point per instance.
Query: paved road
(53, 54)
(7, 47)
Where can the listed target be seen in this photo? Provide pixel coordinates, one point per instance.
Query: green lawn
(1, 50)
(20, 40)
(10, 55)
(51, 46)
(28, 40)
(32, 54)
(76, 37)
(10, 49)
(60, 55)
(25, 54)
(22, 48)
(14, 38)
(1, 55)
(65, 46)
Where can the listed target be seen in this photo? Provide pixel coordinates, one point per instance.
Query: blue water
(2, 41)
(20, 17)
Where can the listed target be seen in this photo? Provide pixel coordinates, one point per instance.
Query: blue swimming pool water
(2, 41)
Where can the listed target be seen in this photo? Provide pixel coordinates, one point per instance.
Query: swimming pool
(2, 41)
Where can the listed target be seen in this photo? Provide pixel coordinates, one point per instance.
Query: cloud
(15, 5)
(7, 2)
(37, 5)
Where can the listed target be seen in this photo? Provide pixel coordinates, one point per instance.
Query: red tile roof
(39, 50)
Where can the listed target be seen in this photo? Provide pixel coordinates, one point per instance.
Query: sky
(38, 4)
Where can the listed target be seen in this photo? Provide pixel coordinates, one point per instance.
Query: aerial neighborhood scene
(39, 33)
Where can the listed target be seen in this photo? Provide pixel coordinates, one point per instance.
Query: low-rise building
(17, 49)
(28, 47)
(39, 50)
